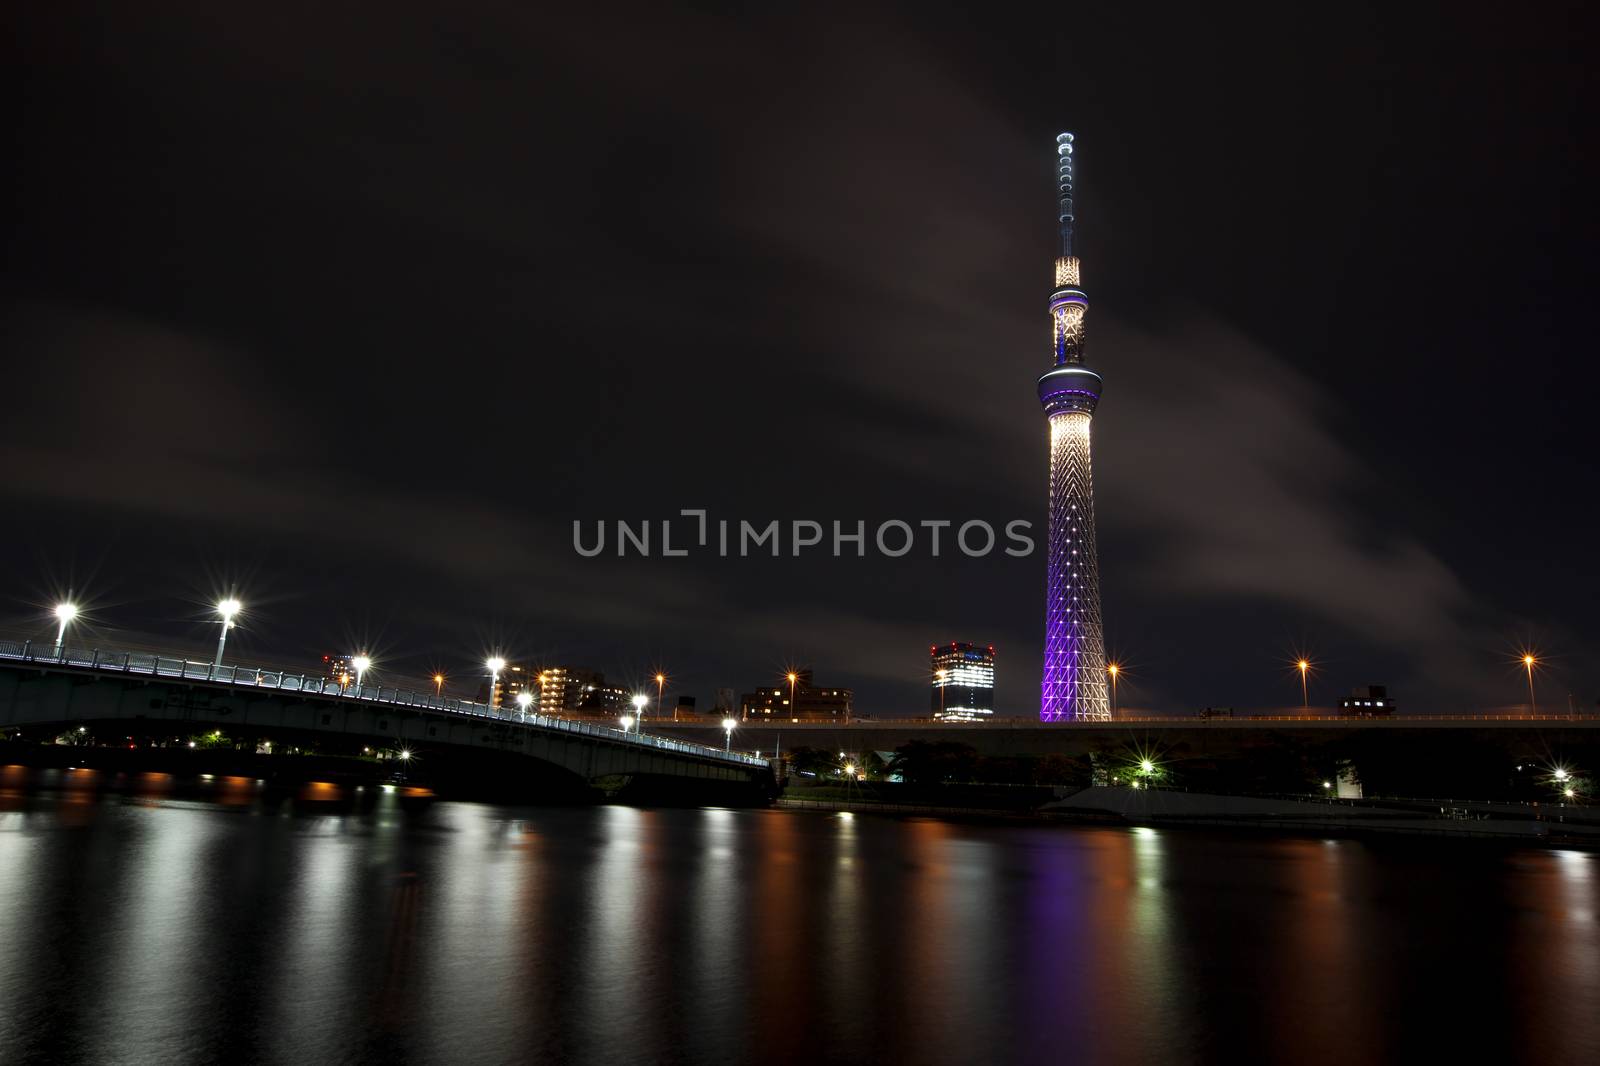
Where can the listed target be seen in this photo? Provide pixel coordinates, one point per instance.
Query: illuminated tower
(1074, 643)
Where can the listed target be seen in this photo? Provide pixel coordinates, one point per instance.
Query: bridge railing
(151, 664)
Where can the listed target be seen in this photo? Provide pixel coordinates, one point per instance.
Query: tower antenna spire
(1064, 190)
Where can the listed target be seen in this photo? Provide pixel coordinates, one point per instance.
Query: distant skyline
(355, 318)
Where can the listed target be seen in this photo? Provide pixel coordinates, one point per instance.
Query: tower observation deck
(1075, 684)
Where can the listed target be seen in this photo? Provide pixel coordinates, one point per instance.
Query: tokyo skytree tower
(1074, 641)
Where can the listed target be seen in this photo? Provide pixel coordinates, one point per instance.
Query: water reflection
(145, 927)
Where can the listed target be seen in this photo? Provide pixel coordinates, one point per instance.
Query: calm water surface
(156, 929)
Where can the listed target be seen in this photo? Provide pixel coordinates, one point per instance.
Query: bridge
(157, 700)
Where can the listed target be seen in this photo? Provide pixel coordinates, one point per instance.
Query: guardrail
(150, 664)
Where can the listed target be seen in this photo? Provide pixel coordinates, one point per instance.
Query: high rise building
(569, 690)
(1074, 643)
(963, 680)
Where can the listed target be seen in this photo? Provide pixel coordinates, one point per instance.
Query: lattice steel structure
(1075, 683)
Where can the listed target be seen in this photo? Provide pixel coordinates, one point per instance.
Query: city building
(963, 680)
(812, 702)
(514, 679)
(601, 700)
(573, 691)
(1074, 684)
(1367, 701)
(339, 668)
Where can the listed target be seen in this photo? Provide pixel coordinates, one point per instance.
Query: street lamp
(495, 664)
(1560, 774)
(524, 701)
(638, 710)
(793, 710)
(1528, 663)
(438, 684)
(65, 612)
(661, 684)
(227, 609)
(362, 664)
(1113, 669)
(1147, 766)
(1304, 666)
(727, 733)
(627, 722)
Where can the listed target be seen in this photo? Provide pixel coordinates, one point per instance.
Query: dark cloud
(375, 307)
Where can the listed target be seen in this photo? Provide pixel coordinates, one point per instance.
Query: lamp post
(661, 684)
(524, 701)
(794, 711)
(65, 613)
(1304, 666)
(1528, 663)
(638, 711)
(438, 684)
(1113, 669)
(227, 609)
(627, 722)
(362, 664)
(495, 664)
(727, 733)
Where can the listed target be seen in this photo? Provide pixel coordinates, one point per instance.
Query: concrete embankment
(1158, 807)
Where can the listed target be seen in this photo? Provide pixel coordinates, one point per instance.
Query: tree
(920, 762)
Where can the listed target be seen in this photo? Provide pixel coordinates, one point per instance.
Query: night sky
(356, 311)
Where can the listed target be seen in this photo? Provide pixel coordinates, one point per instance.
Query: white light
(405, 753)
(1146, 765)
(728, 724)
(496, 664)
(228, 608)
(1561, 775)
(362, 664)
(627, 722)
(66, 612)
(639, 702)
(524, 699)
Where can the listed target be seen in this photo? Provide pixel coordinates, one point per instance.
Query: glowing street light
(405, 754)
(524, 701)
(227, 609)
(661, 684)
(1113, 669)
(793, 677)
(362, 664)
(1304, 666)
(1146, 766)
(65, 613)
(1569, 793)
(438, 684)
(639, 701)
(1560, 773)
(1528, 663)
(627, 722)
(495, 664)
(850, 769)
(727, 733)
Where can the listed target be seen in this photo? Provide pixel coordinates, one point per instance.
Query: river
(159, 926)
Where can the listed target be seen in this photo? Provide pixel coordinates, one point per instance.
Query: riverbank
(1553, 824)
